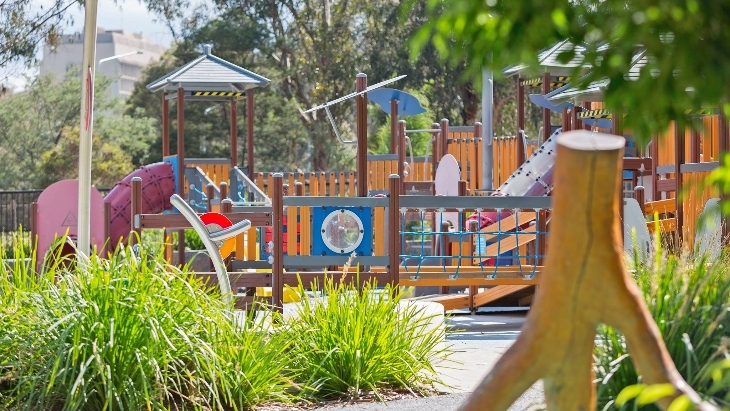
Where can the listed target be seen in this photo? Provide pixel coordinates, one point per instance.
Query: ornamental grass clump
(129, 333)
(349, 341)
(689, 298)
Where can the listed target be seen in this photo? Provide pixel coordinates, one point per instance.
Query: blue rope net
(514, 239)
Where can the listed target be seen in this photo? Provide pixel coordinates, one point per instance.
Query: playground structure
(308, 225)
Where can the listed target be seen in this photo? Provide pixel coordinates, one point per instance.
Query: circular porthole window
(342, 231)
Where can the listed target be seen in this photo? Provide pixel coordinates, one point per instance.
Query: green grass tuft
(352, 341)
(129, 333)
(689, 298)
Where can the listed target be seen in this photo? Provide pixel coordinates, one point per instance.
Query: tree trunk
(584, 284)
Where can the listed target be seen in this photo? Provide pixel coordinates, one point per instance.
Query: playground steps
(496, 293)
(507, 224)
(521, 295)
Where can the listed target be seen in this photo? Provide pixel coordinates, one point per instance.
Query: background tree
(109, 162)
(36, 121)
(687, 40)
(311, 51)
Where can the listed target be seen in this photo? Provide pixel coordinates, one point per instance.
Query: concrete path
(478, 341)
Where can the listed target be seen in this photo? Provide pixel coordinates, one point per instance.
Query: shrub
(688, 298)
(356, 340)
(129, 333)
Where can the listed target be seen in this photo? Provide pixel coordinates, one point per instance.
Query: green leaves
(688, 40)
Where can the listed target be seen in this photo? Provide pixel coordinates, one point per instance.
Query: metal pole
(488, 130)
(86, 130)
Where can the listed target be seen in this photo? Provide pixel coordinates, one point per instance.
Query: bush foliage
(689, 298)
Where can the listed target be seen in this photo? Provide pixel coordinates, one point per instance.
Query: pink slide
(158, 185)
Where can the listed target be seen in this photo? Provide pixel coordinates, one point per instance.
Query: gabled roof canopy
(209, 73)
(595, 90)
(548, 60)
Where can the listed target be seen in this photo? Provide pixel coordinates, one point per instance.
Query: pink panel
(58, 207)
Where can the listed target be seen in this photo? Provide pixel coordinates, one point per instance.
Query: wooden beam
(175, 221)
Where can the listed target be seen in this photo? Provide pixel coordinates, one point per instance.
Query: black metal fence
(15, 209)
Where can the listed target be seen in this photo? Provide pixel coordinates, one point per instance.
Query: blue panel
(408, 104)
(543, 102)
(318, 216)
(172, 160)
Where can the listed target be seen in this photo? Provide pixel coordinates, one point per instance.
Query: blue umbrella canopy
(408, 104)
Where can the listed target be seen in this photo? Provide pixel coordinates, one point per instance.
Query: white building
(124, 71)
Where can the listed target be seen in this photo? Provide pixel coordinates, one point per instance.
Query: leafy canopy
(687, 40)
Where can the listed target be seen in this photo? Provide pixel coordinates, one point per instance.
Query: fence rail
(15, 209)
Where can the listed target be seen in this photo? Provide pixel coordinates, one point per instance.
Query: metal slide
(533, 178)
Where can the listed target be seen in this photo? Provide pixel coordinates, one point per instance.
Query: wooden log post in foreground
(584, 284)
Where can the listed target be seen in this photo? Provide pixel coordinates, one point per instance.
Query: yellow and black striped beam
(702, 112)
(217, 93)
(600, 113)
(555, 81)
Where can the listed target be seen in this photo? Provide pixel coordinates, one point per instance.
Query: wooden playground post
(224, 190)
(234, 134)
(639, 195)
(694, 146)
(577, 122)
(582, 285)
(401, 150)
(654, 154)
(249, 133)
(209, 194)
(135, 234)
(679, 155)
(520, 120)
(362, 135)
(546, 125)
(277, 267)
(394, 137)
(181, 167)
(394, 249)
(435, 149)
(165, 126)
(724, 147)
(565, 117)
(587, 107)
(444, 137)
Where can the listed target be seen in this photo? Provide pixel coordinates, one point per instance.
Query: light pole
(85, 130)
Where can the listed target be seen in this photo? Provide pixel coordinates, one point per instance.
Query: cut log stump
(584, 284)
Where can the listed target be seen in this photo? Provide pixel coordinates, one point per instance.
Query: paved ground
(479, 342)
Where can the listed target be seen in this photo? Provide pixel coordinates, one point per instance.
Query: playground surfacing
(477, 342)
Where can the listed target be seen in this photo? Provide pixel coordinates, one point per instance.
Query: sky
(125, 14)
